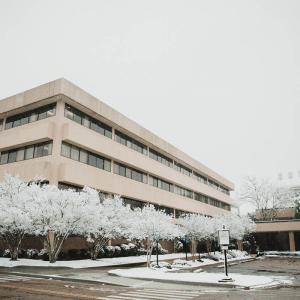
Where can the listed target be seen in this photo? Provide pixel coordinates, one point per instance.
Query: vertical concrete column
(292, 241)
(58, 123)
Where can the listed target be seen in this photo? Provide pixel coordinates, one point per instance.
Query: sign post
(223, 235)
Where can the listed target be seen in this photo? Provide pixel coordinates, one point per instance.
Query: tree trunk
(240, 245)
(14, 242)
(54, 245)
(95, 246)
(193, 250)
(149, 252)
(208, 246)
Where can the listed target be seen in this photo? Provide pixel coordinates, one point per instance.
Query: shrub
(109, 251)
(32, 253)
(6, 253)
(43, 254)
(178, 246)
(117, 251)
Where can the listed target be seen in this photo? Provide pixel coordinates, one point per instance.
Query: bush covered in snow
(180, 264)
(161, 265)
(178, 246)
(161, 250)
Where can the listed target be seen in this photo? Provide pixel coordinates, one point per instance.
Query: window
(20, 154)
(83, 156)
(66, 150)
(87, 121)
(161, 184)
(92, 160)
(74, 153)
(160, 158)
(4, 158)
(201, 198)
(130, 142)
(129, 172)
(31, 116)
(67, 186)
(1, 125)
(182, 169)
(42, 150)
(28, 152)
(200, 178)
(86, 157)
(183, 192)
(133, 203)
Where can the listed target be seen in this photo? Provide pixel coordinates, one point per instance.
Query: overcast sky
(218, 79)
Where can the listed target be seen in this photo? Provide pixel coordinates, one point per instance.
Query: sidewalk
(88, 263)
(100, 274)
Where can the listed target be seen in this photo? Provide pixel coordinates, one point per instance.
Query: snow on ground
(203, 277)
(179, 260)
(87, 263)
(282, 253)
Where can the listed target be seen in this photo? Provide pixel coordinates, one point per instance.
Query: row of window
(86, 157)
(87, 121)
(28, 152)
(100, 162)
(211, 183)
(133, 203)
(31, 116)
(211, 201)
(130, 173)
(130, 142)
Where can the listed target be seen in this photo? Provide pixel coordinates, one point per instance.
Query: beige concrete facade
(59, 169)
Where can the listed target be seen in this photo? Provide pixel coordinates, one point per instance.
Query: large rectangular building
(59, 132)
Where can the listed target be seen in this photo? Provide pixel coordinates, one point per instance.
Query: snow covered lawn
(203, 277)
(86, 263)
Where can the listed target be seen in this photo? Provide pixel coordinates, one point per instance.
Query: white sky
(218, 79)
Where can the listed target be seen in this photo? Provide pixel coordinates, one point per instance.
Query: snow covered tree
(266, 197)
(15, 212)
(238, 226)
(152, 225)
(59, 213)
(197, 227)
(108, 221)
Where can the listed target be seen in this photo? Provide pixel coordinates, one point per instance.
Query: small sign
(223, 237)
(224, 247)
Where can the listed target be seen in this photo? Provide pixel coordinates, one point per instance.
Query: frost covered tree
(197, 228)
(267, 197)
(152, 225)
(15, 212)
(110, 220)
(59, 213)
(238, 226)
